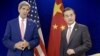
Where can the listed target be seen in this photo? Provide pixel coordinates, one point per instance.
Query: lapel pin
(75, 29)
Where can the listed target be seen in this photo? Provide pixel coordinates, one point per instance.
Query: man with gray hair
(21, 34)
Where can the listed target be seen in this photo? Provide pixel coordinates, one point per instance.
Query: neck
(70, 24)
(22, 17)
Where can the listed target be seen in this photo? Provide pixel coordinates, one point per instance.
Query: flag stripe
(41, 36)
(43, 47)
(36, 52)
(42, 42)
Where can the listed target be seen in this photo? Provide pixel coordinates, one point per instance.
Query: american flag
(33, 14)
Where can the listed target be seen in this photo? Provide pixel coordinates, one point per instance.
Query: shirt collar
(72, 25)
(22, 19)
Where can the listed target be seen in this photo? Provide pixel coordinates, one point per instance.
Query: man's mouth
(25, 14)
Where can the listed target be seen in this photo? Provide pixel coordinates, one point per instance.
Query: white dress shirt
(69, 31)
(72, 26)
(25, 22)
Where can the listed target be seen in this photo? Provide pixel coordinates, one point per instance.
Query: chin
(25, 16)
(70, 23)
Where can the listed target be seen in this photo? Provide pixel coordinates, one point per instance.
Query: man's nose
(69, 17)
(25, 11)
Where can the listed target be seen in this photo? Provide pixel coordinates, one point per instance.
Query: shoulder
(31, 21)
(82, 26)
(12, 21)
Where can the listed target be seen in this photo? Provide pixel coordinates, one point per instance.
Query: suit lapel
(65, 37)
(74, 32)
(28, 24)
(18, 28)
(27, 29)
(65, 32)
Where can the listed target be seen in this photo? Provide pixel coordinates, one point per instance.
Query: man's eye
(23, 8)
(71, 15)
(66, 15)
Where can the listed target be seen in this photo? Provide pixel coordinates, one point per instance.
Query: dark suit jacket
(12, 35)
(79, 41)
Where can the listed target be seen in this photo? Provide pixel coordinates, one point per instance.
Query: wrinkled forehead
(25, 7)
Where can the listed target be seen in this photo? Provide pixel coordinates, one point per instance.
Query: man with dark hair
(75, 39)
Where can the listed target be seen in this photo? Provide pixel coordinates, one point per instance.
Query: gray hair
(23, 3)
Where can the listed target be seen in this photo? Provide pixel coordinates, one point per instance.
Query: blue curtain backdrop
(87, 12)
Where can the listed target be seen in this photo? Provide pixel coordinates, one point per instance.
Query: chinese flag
(58, 24)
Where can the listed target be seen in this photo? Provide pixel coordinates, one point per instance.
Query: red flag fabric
(58, 24)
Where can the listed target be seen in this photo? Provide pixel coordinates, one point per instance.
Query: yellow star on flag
(57, 9)
(55, 26)
(62, 27)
